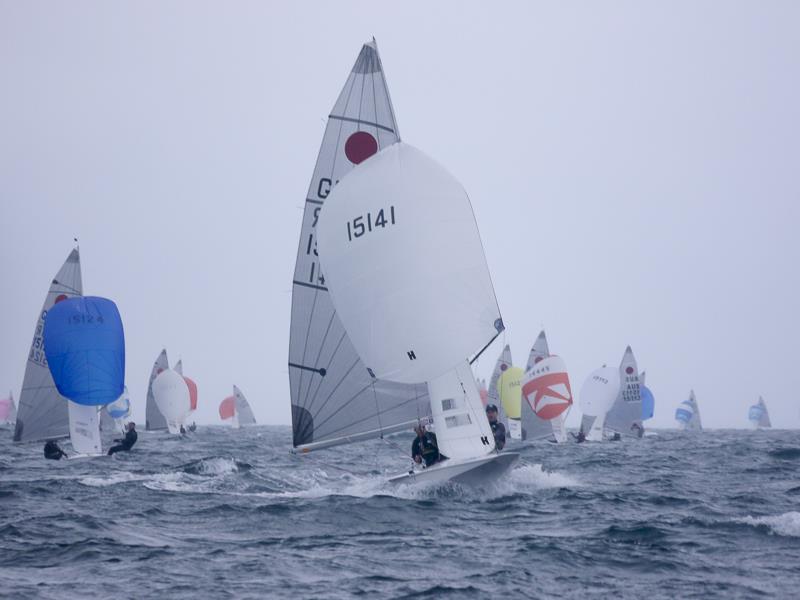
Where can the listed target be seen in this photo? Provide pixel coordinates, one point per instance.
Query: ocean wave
(786, 524)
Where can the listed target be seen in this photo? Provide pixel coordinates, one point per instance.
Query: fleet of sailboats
(382, 336)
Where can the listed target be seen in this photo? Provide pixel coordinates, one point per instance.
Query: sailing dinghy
(236, 410)
(688, 414)
(401, 252)
(8, 409)
(625, 415)
(85, 349)
(759, 415)
(547, 394)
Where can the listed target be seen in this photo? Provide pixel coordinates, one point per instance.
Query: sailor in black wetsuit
(53, 452)
(498, 429)
(127, 442)
(424, 447)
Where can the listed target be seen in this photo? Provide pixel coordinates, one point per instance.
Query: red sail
(227, 408)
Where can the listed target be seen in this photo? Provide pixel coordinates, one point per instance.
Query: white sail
(154, 420)
(84, 428)
(244, 413)
(539, 351)
(625, 416)
(42, 410)
(597, 395)
(172, 397)
(334, 399)
(179, 367)
(412, 287)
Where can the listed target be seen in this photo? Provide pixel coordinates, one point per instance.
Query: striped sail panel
(243, 409)
(334, 398)
(154, 420)
(42, 410)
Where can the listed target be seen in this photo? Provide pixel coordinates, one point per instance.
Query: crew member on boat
(53, 452)
(424, 447)
(127, 442)
(498, 429)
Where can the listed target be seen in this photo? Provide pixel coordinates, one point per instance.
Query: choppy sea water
(233, 514)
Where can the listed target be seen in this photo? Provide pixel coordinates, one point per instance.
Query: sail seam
(363, 122)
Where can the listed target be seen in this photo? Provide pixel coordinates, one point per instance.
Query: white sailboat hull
(472, 471)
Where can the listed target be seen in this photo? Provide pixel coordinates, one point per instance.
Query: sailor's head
(491, 412)
(419, 429)
(131, 426)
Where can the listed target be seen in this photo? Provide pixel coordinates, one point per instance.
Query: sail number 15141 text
(365, 223)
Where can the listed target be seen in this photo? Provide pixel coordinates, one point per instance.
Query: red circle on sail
(359, 147)
(629, 370)
(60, 297)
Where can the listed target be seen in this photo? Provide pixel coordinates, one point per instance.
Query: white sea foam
(217, 466)
(787, 524)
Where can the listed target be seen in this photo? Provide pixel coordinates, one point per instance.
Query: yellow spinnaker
(510, 390)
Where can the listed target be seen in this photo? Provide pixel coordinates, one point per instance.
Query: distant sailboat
(333, 397)
(759, 415)
(625, 415)
(119, 412)
(8, 409)
(502, 365)
(85, 349)
(42, 410)
(235, 410)
(154, 420)
(547, 394)
(688, 414)
(598, 393)
(173, 398)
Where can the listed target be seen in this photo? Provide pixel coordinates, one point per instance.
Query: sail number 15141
(369, 222)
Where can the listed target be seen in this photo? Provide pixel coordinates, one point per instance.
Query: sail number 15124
(369, 222)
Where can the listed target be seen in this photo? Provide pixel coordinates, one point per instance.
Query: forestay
(625, 416)
(334, 399)
(412, 287)
(154, 420)
(42, 410)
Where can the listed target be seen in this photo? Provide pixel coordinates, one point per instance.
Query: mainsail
(243, 410)
(688, 414)
(42, 410)
(334, 398)
(154, 420)
(625, 416)
(759, 415)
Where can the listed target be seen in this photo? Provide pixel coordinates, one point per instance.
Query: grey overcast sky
(634, 168)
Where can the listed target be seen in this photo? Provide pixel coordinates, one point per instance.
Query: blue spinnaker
(85, 348)
(121, 407)
(683, 415)
(648, 403)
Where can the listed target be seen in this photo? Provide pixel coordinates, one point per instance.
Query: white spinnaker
(154, 420)
(172, 397)
(42, 412)
(599, 391)
(84, 428)
(412, 288)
